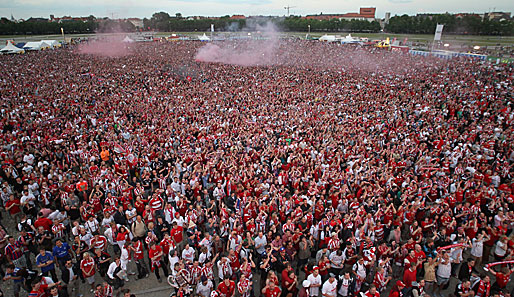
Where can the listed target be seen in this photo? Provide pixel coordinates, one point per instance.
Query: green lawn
(418, 38)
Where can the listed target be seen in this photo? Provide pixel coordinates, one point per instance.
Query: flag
(438, 32)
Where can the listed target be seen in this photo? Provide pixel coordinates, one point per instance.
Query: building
(137, 22)
(475, 15)
(365, 13)
(237, 17)
(68, 19)
(387, 17)
(497, 16)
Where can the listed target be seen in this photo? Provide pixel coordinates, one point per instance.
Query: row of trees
(162, 21)
(42, 27)
(469, 24)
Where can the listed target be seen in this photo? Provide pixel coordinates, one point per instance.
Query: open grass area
(461, 40)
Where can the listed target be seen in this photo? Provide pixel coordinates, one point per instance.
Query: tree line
(466, 25)
(44, 27)
(162, 21)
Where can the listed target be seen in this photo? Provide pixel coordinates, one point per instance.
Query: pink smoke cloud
(107, 47)
(251, 53)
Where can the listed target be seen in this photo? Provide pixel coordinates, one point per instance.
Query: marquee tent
(128, 39)
(52, 43)
(35, 46)
(11, 49)
(203, 37)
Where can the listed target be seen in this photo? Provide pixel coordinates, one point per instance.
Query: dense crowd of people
(331, 171)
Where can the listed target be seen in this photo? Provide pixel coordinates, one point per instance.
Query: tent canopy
(327, 38)
(52, 43)
(128, 39)
(33, 46)
(11, 49)
(203, 37)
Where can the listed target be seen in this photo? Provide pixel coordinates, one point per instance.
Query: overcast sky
(145, 8)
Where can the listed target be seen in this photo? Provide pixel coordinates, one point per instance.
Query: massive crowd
(332, 170)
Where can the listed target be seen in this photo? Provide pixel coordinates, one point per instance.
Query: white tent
(52, 43)
(327, 38)
(128, 39)
(33, 46)
(203, 37)
(44, 45)
(349, 39)
(11, 49)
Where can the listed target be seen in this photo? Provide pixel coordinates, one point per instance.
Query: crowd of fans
(333, 171)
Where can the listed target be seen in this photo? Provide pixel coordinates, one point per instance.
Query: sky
(145, 8)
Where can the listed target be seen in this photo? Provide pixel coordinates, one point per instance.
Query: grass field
(457, 40)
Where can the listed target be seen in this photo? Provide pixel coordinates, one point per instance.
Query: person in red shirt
(155, 255)
(372, 292)
(139, 258)
(44, 222)
(271, 290)
(397, 289)
(502, 279)
(177, 234)
(227, 287)
(409, 275)
(13, 207)
(87, 265)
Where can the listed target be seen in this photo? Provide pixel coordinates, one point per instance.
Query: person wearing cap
(282, 260)
(204, 288)
(304, 291)
(396, 291)
(329, 288)
(315, 279)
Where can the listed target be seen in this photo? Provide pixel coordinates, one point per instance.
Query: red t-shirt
(177, 234)
(409, 276)
(86, 265)
(46, 223)
(15, 209)
(227, 290)
(272, 293)
(502, 279)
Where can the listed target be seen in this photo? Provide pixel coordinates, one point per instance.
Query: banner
(438, 32)
(486, 267)
(451, 246)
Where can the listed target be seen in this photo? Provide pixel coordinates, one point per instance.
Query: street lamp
(309, 26)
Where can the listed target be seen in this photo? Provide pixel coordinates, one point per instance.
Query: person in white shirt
(188, 254)
(224, 268)
(106, 221)
(131, 214)
(260, 243)
(125, 258)
(204, 288)
(346, 282)
(114, 274)
(329, 288)
(315, 279)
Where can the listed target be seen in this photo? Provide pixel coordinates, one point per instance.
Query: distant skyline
(145, 8)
